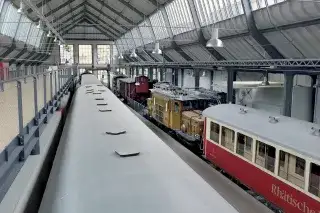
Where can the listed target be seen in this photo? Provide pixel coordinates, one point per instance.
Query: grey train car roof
(88, 79)
(87, 175)
(128, 80)
(288, 132)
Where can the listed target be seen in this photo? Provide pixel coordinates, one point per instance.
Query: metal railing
(27, 101)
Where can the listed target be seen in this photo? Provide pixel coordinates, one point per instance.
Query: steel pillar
(182, 77)
(287, 99)
(313, 100)
(196, 78)
(211, 79)
(230, 94)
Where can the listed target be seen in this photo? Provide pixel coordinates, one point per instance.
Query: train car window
(291, 168)
(244, 146)
(214, 132)
(227, 139)
(314, 181)
(176, 107)
(300, 166)
(265, 156)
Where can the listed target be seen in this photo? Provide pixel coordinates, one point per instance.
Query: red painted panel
(4, 71)
(130, 90)
(274, 190)
(143, 84)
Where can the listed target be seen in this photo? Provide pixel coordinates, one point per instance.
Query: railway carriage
(278, 157)
(179, 110)
(134, 88)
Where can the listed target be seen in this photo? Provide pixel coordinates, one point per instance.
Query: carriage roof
(300, 136)
(127, 80)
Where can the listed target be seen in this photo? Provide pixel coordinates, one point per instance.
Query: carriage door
(176, 115)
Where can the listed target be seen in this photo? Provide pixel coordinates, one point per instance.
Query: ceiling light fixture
(214, 41)
(133, 54)
(49, 34)
(21, 9)
(39, 26)
(157, 49)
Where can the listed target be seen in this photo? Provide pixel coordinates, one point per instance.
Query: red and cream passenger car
(278, 157)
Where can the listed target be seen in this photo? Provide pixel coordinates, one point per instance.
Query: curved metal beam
(256, 34)
(115, 11)
(107, 16)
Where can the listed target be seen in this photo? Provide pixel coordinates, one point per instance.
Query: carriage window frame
(288, 170)
(265, 155)
(315, 190)
(300, 166)
(212, 124)
(223, 142)
(247, 146)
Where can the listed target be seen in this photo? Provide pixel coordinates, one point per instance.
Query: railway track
(156, 128)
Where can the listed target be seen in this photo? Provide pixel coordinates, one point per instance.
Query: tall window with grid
(85, 54)
(103, 53)
(66, 54)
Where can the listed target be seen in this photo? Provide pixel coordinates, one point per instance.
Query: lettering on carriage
(288, 198)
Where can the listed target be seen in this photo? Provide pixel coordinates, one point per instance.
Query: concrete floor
(236, 196)
(9, 106)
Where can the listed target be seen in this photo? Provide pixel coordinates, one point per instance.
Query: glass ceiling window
(159, 26)
(136, 37)
(10, 21)
(119, 46)
(124, 44)
(39, 39)
(33, 35)
(212, 11)
(180, 17)
(258, 4)
(23, 29)
(128, 38)
(146, 33)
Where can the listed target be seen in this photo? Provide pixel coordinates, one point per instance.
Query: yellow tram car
(180, 110)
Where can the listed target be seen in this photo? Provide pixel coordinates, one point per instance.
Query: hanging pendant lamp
(157, 49)
(21, 9)
(133, 54)
(49, 34)
(214, 41)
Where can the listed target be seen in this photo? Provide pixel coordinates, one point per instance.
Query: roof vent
(102, 104)
(315, 131)
(116, 133)
(243, 110)
(105, 110)
(273, 119)
(126, 154)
